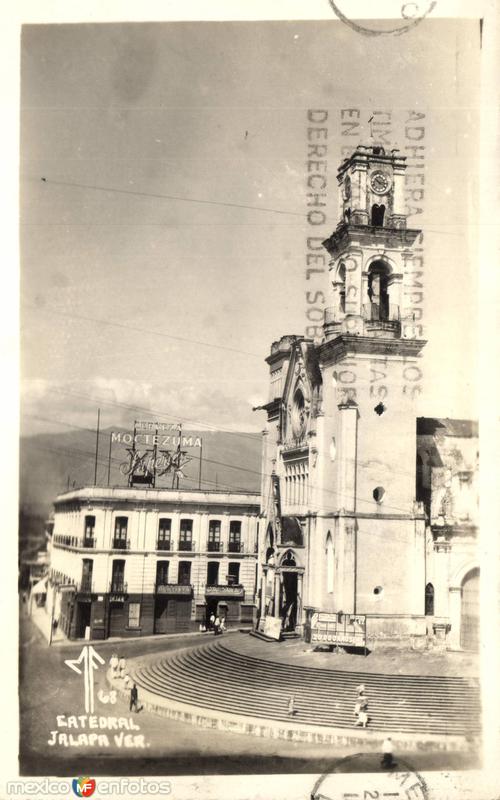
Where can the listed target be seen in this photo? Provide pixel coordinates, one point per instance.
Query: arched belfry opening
(341, 282)
(378, 290)
(378, 214)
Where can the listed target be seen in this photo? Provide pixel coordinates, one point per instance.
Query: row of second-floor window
(214, 575)
(163, 575)
(164, 535)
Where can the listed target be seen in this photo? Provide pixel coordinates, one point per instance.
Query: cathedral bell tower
(344, 533)
(367, 538)
(370, 248)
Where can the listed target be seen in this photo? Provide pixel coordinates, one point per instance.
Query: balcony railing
(235, 547)
(118, 586)
(292, 444)
(374, 312)
(86, 585)
(89, 542)
(174, 588)
(223, 590)
(121, 544)
(214, 547)
(332, 315)
(371, 312)
(185, 545)
(163, 544)
(66, 541)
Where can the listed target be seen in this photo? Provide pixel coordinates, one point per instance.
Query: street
(50, 689)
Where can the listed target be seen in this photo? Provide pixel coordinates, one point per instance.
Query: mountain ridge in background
(52, 463)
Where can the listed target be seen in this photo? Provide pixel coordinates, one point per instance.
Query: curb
(211, 719)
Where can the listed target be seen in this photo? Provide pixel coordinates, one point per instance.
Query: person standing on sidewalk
(113, 663)
(134, 699)
(387, 759)
(122, 667)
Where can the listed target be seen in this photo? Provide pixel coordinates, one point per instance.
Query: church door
(289, 601)
(469, 627)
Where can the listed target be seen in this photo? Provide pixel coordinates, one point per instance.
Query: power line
(160, 414)
(358, 462)
(135, 193)
(369, 501)
(104, 433)
(137, 329)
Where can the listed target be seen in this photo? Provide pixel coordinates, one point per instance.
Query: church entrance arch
(269, 542)
(469, 627)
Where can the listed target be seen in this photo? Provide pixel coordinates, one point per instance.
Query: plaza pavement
(49, 688)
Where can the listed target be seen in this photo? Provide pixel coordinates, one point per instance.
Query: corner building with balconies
(343, 530)
(136, 561)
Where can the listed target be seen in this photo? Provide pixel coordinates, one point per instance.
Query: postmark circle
(411, 14)
(401, 783)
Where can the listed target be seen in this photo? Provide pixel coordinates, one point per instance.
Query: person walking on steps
(361, 701)
(363, 717)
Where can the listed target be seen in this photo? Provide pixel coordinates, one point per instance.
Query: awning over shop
(291, 531)
(40, 587)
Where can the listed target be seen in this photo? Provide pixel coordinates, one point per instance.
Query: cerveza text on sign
(147, 464)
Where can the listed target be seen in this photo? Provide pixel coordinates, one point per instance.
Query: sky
(163, 208)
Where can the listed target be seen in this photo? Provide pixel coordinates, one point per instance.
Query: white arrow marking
(90, 659)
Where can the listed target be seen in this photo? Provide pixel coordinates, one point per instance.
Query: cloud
(49, 406)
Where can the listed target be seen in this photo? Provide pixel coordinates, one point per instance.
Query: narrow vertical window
(429, 600)
(329, 563)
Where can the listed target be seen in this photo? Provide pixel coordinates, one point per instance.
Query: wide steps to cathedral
(215, 677)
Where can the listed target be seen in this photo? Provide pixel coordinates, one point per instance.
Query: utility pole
(109, 458)
(201, 457)
(97, 445)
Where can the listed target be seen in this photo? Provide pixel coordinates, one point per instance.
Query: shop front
(225, 602)
(172, 608)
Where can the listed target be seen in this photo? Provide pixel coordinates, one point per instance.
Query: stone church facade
(343, 530)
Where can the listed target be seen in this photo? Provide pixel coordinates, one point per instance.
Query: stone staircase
(216, 677)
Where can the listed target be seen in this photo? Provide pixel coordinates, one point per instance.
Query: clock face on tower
(380, 182)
